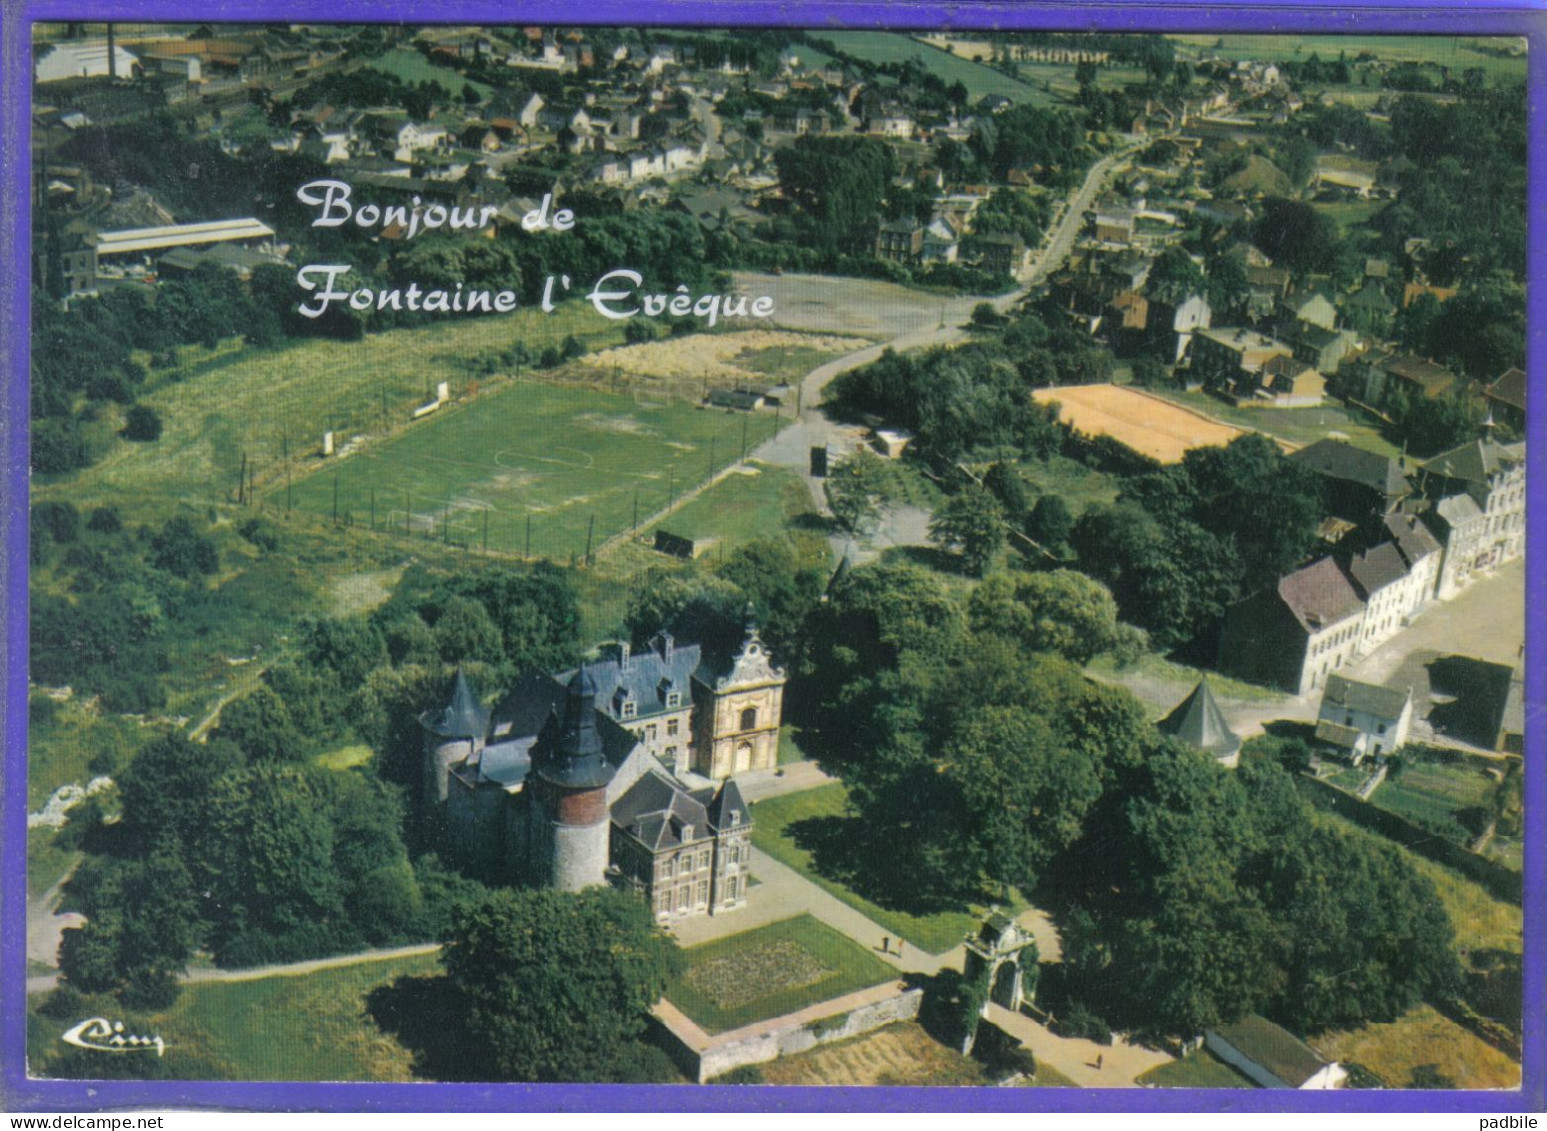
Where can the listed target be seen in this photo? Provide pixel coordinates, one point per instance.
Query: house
(1507, 399)
(1272, 1056)
(549, 791)
(1233, 356)
(900, 241)
(1309, 306)
(1002, 254)
(1198, 722)
(1318, 346)
(1418, 376)
(1173, 324)
(1363, 719)
(1421, 553)
(1369, 310)
(1380, 575)
(1363, 487)
(1479, 515)
(1290, 383)
(942, 242)
(1296, 631)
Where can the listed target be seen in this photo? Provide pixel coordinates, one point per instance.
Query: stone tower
(452, 735)
(568, 825)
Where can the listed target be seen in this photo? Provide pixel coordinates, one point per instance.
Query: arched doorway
(743, 761)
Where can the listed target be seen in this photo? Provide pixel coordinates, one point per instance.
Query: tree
(558, 985)
(1062, 612)
(973, 522)
(181, 550)
(259, 725)
(165, 785)
(1006, 485)
(856, 490)
(1294, 235)
(1050, 523)
(142, 424)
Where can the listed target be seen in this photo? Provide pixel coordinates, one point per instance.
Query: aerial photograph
(776, 557)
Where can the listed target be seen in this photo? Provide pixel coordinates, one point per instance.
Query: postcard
(776, 557)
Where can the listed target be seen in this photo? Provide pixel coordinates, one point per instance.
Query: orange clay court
(1147, 424)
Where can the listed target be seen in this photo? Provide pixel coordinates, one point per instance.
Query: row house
(1479, 494)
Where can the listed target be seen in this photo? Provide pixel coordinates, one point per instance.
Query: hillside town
(1117, 527)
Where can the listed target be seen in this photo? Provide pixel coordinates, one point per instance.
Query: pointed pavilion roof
(1198, 721)
(463, 717)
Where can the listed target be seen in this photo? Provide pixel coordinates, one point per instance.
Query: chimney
(623, 656)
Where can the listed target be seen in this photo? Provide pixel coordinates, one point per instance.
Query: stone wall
(765, 1041)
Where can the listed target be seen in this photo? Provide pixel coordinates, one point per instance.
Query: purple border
(1515, 17)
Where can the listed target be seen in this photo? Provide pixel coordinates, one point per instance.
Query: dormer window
(627, 709)
(674, 698)
(687, 833)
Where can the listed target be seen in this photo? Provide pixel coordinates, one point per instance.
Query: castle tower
(452, 735)
(569, 824)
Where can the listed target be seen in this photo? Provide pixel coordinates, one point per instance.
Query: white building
(1364, 718)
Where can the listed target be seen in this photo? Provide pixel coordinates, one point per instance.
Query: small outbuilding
(1272, 1056)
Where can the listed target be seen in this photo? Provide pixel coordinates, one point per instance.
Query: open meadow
(266, 405)
(1501, 57)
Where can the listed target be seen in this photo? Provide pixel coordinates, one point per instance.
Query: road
(903, 320)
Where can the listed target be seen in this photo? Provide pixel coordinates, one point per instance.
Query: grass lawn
(564, 456)
(308, 1027)
(754, 501)
(1153, 666)
(265, 403)
(1297, 426)
(770, 971)
(1198, 1069)
(1079, 486)
(1392, 1050)
(936, 932)
(1431, 793)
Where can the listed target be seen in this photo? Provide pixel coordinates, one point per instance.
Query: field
(935, 932)
(755, 501)
(1432, 793)
(412, 67)
(899, 1055)
(771, 971)
(1146, 423)
(1199, 1069)
(265, 404)
(1491, 53)
(563, 457)
(896, 47)
(1392, 1050)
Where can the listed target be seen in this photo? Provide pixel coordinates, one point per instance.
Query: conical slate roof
(569, 751)
(1198, 721)
(462, 717)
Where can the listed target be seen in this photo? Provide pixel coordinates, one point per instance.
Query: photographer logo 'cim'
(101, 1035)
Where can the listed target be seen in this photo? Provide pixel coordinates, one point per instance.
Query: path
(45, 925)
(1121, 1063)
(791, 446)
(278, 970)
(783, 893)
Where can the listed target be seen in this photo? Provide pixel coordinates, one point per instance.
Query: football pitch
(533, 468)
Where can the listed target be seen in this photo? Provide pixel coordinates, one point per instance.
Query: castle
(617, 772)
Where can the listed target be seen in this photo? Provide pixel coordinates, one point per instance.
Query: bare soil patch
(1149, 425)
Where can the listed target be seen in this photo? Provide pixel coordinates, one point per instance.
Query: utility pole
(711, 457)
(373, 508)
(529, 534)
(590, 528)
(746, 422)
(486, 530)
(335, 499)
